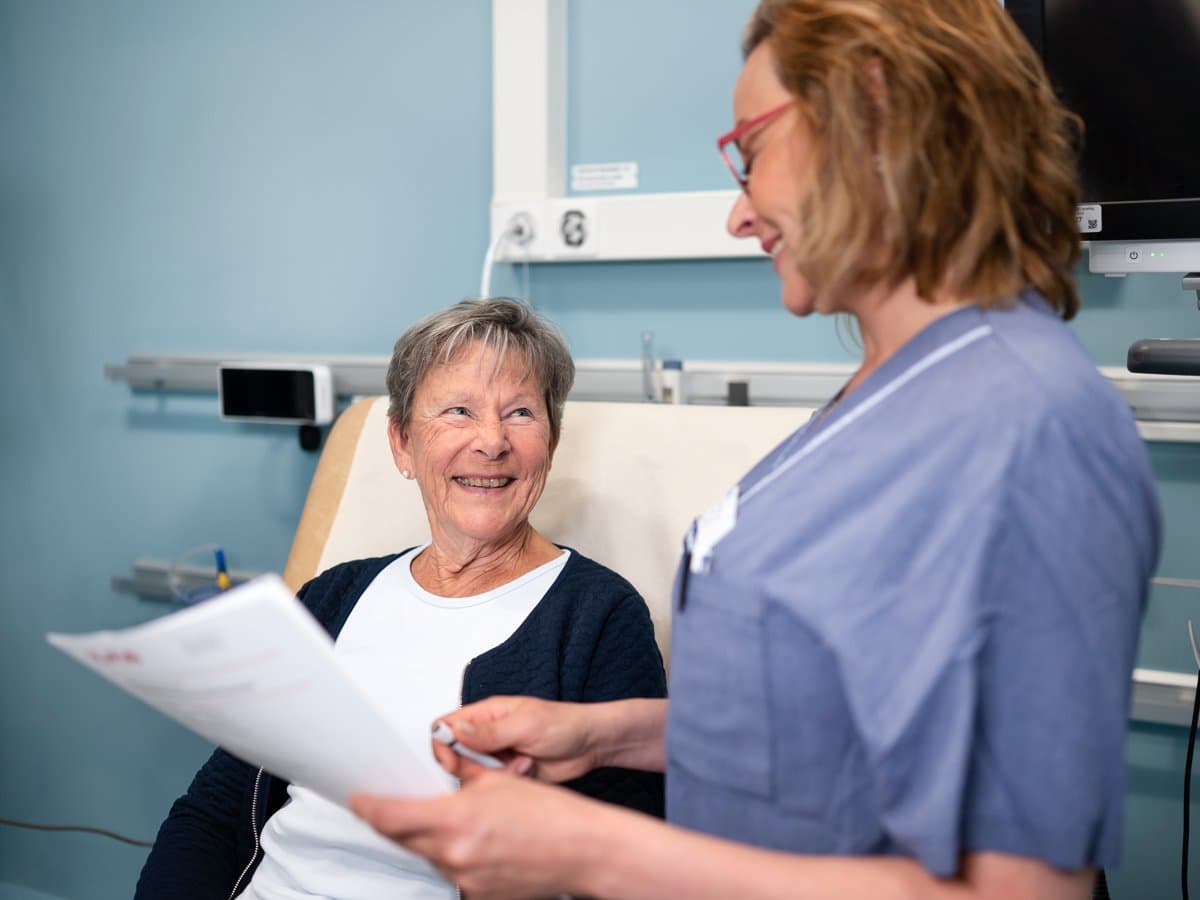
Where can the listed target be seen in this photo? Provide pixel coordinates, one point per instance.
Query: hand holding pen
(445, 736)
(548, 740)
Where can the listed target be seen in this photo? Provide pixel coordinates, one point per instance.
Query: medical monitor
(1129, 68)
(275, 392)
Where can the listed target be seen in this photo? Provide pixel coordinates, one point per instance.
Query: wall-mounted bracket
(152, 578)
(1191, 282)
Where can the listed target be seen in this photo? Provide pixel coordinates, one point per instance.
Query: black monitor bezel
(1163, 219)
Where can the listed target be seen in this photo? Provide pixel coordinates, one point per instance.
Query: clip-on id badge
(710, 528)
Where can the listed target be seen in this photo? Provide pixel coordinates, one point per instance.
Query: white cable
(489, 259)
(525, 272)
(518, 228)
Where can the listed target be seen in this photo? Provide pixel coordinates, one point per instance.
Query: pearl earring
(406, 473)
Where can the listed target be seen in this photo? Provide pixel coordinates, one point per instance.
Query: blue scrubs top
(917, 639)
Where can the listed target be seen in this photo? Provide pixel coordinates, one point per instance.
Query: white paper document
(253, 671)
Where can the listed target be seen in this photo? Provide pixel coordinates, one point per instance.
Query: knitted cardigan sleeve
(203, 839)
(626, 663)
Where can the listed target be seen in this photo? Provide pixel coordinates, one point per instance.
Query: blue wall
(282, 176)
(303, 176)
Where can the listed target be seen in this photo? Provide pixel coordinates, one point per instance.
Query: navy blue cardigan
(590, 639)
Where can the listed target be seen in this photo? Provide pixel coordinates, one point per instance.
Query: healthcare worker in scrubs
(902, 643)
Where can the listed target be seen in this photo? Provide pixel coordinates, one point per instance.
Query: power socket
(524, 233)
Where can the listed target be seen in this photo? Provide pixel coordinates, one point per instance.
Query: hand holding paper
(252, 670)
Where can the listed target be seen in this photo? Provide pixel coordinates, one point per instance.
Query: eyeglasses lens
(735, 162)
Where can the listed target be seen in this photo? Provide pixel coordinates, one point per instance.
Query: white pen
(443, 735)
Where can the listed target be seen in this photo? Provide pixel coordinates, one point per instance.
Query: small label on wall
(1088, 219)
(604, 176)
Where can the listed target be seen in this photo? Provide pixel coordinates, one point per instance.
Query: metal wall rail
(1167, 407)
(1162, 697)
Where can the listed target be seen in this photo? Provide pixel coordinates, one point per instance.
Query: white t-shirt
(408, 649)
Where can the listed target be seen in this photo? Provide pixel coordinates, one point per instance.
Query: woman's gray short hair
(504, 325)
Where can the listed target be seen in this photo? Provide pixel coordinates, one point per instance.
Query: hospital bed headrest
(627, 480)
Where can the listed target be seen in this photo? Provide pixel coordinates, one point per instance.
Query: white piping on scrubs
(932, 359)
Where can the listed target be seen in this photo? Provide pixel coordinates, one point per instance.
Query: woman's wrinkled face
(777, 159)
(478, 444)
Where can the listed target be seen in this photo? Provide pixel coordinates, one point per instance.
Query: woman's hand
(498, 837)
(555, 741)
(542, 738)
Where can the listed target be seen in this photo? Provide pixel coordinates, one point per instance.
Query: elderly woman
(925, 603)
(488, 606)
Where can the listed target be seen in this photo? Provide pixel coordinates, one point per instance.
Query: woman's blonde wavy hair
(937, 139)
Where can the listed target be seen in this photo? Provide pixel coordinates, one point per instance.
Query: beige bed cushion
(627, 480)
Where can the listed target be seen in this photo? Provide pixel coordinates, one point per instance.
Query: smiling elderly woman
(489, 606)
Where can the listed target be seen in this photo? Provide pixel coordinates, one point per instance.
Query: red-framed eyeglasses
(737, 162)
